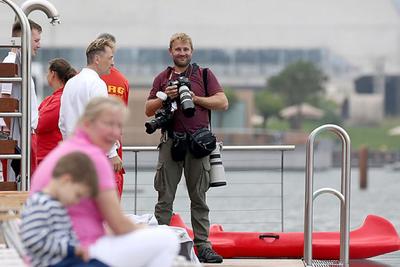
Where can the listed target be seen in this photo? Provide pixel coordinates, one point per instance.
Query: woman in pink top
(131, 244)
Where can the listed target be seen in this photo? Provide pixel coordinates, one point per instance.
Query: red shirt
(47, 131)
(117, 85)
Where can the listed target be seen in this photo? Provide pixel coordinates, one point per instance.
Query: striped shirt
(46, 230)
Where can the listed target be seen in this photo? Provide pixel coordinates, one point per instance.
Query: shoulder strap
(193, 69)
(169, 72)
(205, 72)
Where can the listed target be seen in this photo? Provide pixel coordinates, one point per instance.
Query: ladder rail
(26, 93)
(343, 195)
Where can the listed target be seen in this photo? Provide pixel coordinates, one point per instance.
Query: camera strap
(188, 72)
(205, 71)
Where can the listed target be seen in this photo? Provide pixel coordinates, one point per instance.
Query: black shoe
(208, 255)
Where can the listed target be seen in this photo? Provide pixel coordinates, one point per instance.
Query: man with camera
(181, 98)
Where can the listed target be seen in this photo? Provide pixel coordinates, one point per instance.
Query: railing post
(136, 173)
(363, 166)
(25, 137)
(282, 202)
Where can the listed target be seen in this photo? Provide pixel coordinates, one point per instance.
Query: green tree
(298, 83)
(231, 95)
(268, 104)
(232, 99)
(331, 115)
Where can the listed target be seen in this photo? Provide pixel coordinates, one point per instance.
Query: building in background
(244, 42)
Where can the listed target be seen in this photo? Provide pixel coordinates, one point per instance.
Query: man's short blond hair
(180, 36)
(96, 47)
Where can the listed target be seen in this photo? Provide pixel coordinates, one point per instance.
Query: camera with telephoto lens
(163, 116)
(185, 97)
(217, 171)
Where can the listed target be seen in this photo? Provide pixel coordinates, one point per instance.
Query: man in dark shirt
(196, 170)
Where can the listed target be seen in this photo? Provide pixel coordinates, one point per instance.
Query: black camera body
(185, 98)
(162, 118)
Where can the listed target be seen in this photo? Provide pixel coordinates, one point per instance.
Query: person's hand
(171, 91)
(194, 97)
(82, 253)
(116, 163)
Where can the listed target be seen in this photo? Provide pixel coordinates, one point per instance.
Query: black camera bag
(202, 143)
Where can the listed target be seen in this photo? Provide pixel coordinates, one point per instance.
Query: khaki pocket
(159, 178)
(205, 174)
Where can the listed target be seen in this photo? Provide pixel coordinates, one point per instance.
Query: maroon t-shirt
(200, 118)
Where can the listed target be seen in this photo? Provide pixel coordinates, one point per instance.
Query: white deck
(10, 258)
(258, 263)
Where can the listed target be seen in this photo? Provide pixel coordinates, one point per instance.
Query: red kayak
(375, 237)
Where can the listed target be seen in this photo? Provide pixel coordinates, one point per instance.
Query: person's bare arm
(110, 209)
(152, 105)
(217, 101)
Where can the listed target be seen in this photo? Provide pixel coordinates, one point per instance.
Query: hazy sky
(361, 31)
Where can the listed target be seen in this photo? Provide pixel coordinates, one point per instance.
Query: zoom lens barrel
(217, 171)
(186, 101)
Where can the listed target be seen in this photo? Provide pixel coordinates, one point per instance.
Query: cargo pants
(167, 178)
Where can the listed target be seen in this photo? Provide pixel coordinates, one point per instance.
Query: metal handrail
(43, 5)
(22, 15)
(26, 93)
(281, 148)
(343, 195)
(10, 156)
(232, 148)
(11, 114)
(11, 79)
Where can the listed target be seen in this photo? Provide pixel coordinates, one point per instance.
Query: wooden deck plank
(11, 201)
